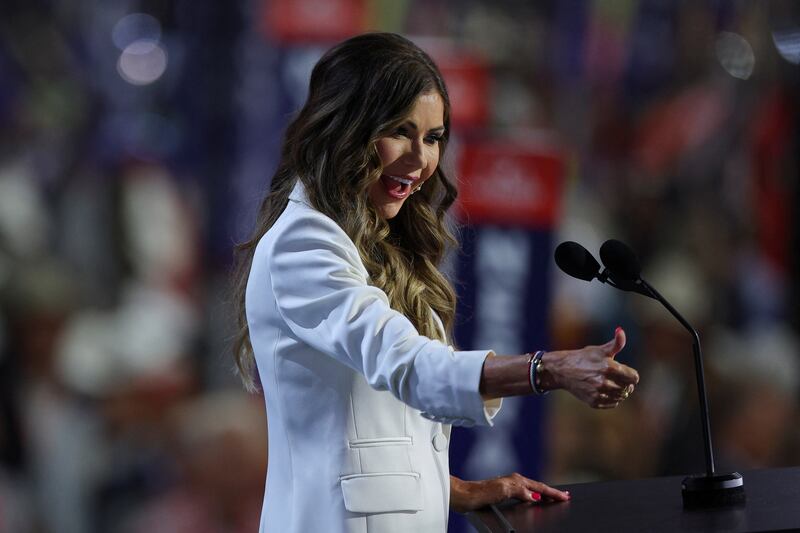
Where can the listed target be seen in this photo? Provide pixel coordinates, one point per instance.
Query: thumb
(616, 345)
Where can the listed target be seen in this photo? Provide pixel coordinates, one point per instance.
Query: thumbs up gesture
(591, 374)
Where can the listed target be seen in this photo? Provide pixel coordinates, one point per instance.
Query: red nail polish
(617, 330)
(536, 496)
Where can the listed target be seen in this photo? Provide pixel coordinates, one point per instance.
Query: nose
(415, 155)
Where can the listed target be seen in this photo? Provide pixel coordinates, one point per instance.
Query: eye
(400, 132)
(433, 139)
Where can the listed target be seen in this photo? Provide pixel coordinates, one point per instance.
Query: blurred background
(137, 138)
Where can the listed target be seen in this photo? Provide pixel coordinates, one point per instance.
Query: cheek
(432, 160)
(387, 152)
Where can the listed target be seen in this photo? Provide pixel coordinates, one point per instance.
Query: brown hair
(361, 90)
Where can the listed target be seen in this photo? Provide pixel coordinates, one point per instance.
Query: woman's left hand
(467, 496)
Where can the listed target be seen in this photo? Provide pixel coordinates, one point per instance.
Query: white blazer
(359, 404)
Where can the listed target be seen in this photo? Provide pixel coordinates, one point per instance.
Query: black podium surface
(653, 505)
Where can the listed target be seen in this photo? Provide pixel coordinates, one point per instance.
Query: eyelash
(430, 139)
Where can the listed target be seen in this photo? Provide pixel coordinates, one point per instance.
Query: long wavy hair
(360, 90)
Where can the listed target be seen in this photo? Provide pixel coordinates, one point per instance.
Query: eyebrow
(437, 129)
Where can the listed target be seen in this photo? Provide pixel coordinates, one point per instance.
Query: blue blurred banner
(509, 201)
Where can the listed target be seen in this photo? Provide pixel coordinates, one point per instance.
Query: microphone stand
(699, 491)
(711, 489)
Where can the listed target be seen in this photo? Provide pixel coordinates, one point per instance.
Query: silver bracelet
(533, 369)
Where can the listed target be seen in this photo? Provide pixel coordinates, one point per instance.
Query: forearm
(590, 373)
(508, 375)
(460, 497)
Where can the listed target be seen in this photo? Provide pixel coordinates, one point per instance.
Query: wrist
(503, 376)
(547, 377)
(534, 372)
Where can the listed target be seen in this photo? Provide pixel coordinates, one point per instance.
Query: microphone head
(576, 261)
(620, 260)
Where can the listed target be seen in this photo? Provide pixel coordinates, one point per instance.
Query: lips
(397, 186)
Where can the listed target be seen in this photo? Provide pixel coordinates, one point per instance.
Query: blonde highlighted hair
(361, 90)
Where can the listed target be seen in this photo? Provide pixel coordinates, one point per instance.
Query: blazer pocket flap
(382, 492)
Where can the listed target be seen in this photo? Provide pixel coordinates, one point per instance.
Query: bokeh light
(142, 62)
(136, 27)
(138, 142)
(735, 55)
(787, 42)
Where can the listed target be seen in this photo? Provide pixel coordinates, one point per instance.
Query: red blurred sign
(467, 79)
(299, 21)
(508, 184)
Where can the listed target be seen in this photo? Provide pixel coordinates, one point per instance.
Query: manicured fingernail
(617, 330)
(536, 496)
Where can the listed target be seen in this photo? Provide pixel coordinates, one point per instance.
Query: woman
(341, 303)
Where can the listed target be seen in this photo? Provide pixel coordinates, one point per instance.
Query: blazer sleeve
(322, 293)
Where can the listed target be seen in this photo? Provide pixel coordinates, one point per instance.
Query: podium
(652, 505)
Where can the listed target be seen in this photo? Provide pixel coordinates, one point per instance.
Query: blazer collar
(298, 194)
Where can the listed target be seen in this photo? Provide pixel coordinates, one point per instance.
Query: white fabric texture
(355, 396)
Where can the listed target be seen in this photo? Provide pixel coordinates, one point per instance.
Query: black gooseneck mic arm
(626, 285)
(699, 373)
(623, 271)
(711, 489)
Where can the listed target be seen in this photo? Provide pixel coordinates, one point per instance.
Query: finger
(616, 391)
(611, 387)
(618, 343)
(514, 486)
(611, 404)
(522, 492)
(622, 374)
(625, 393)
(547, 491)
(620, 397)
(605, 401)
(612, 347)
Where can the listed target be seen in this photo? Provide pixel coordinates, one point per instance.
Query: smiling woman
(377, 107)
(347, 318)
(408, 156)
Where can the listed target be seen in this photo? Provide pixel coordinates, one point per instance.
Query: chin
(389, 211)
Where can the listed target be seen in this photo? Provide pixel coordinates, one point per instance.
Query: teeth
(401, 180)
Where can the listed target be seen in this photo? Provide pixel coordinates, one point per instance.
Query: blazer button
(439, 442)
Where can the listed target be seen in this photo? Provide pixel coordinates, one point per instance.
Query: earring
(418, 188)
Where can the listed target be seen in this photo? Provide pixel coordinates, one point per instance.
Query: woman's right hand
(591, 374)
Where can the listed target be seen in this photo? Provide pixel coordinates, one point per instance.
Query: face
(409, 155)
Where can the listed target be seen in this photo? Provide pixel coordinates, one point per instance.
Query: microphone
(576, 261)
(706, 490)
(620, 260)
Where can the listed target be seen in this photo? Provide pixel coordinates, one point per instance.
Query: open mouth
(397, 186)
